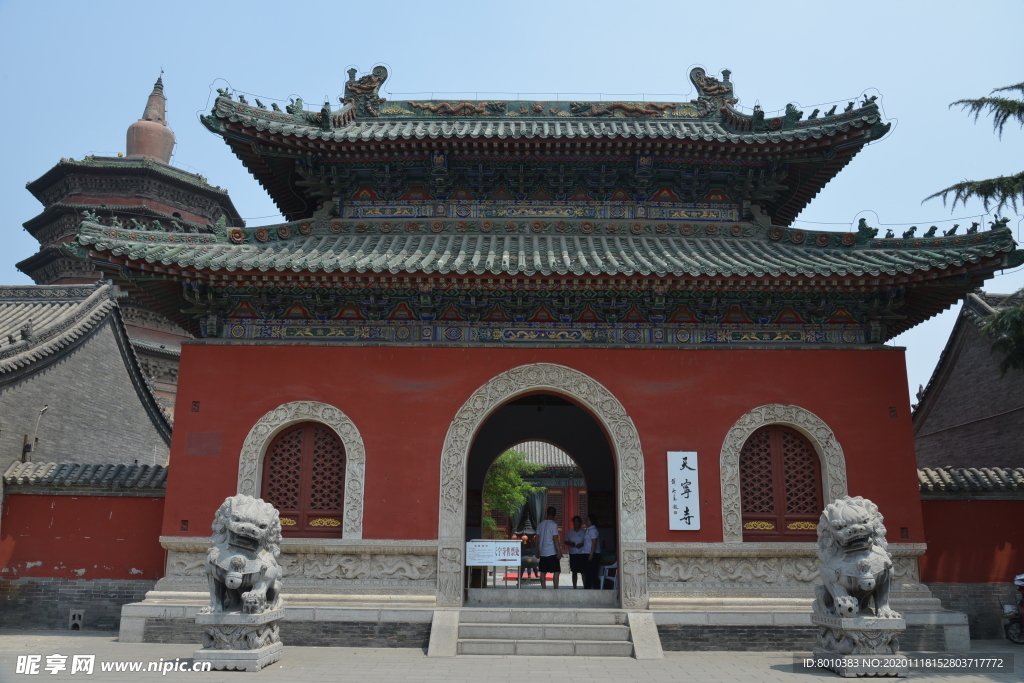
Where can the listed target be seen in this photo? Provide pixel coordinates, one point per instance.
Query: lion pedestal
(857, 630)
(240, 625)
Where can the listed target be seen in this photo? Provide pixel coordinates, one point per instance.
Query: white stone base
(874, 642)
(240, 660)
(857, 666)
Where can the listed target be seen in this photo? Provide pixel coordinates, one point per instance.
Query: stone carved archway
(250, 462)
(625, 442)
(833, 462)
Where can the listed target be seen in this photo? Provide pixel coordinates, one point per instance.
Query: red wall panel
(972, 541)
(81, 537)
(403, 400)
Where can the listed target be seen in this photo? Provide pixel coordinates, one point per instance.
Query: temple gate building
(445, 263)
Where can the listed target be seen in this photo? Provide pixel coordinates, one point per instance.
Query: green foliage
(1006, 329)
(1004, 189)
(504, 488)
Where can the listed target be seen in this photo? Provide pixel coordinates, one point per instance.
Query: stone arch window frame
(623, 438)
(262, 434)
(813, 428)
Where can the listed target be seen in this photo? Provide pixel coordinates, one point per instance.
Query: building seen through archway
(576, 475)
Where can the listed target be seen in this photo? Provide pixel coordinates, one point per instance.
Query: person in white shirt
(574, 538)
(549, 548)
(591, 547)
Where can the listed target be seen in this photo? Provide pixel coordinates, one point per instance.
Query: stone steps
(537, 632)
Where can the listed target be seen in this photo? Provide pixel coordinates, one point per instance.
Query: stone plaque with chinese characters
(683, 491)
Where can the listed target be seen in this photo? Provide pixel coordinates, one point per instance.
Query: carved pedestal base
(860, 646)
(240, 642)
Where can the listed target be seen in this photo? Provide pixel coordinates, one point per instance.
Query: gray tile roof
(543, 453)
(971, 479)
(102, 476)
(39, 320)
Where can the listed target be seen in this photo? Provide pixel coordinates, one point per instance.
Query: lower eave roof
(775, 253)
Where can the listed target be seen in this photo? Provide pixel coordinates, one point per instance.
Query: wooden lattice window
(581, 505)
(780, 486)
(304, 478)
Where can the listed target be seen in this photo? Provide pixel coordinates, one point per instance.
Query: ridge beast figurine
(242, 566)
(856, 568)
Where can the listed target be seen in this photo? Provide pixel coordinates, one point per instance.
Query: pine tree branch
(1002, 190)
(1001, 108)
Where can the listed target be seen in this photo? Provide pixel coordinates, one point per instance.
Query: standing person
(549, 548)
(591, 547)
(575, 538)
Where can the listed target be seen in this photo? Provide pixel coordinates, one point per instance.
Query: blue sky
(76, 74)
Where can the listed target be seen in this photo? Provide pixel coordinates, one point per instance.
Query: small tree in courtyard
(505, 489)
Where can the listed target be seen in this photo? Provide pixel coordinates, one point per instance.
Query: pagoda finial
(149, 136)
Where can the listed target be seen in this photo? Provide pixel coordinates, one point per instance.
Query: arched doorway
(610, 432)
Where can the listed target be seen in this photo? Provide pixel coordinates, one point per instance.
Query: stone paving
(374, 665)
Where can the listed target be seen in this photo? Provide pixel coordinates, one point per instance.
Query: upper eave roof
(267, 141)
(415, 128)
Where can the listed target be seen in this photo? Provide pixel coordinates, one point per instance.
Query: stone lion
(856, 568)
(242, 566)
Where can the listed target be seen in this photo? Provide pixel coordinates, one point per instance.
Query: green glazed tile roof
(419, 128)
(301, 156)
(636, 249)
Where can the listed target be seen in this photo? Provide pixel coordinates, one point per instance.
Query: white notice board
(493, 553)
(683, 491)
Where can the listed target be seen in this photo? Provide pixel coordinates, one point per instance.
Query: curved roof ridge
(63, 321)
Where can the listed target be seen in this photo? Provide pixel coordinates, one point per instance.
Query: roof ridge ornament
(363, 92)
(713, 95)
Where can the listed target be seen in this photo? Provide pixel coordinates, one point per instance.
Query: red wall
(972, 541)
(81, 537)
(403, 400)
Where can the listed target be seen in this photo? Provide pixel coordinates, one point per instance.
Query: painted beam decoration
(683, 491)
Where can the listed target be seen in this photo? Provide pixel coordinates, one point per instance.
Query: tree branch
(1002, 190)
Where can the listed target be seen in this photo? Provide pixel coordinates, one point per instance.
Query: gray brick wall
(95, 414)
(307, 633)
(973, 390)
(44, 603)
(982, 602)
(679, 637)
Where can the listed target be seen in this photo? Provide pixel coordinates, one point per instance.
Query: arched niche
(821, 437)
(250, 461)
